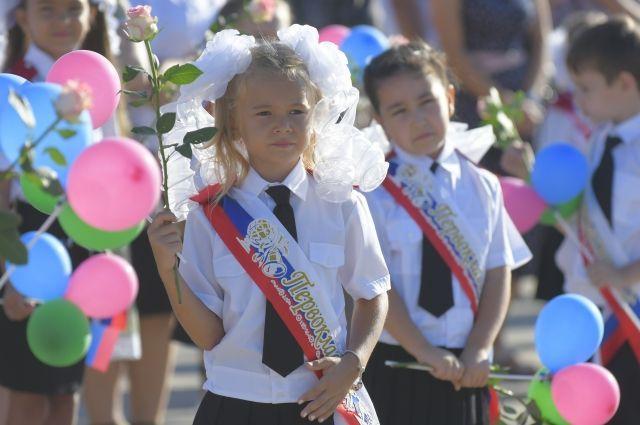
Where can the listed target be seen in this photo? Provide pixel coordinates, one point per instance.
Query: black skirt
(20, 370)
(626, 369)
(219, 410)
(152, 297)
(413, 397)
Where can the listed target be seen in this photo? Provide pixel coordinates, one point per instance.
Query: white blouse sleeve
(196, 268)
(364, 273)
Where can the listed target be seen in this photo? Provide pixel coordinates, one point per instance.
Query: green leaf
(66, 133)
(143, 131)
(138, 103)
(22, 108)
(166, 122)
(510, 410)
(140, 94)
(199, 136)
(56, 156)
(12, 248)
(185, 150)
(182, 74)
(130, 72)
(9, 220)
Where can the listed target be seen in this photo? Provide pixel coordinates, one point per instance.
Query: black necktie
(280, 351)
(602, 179)
(436, 290)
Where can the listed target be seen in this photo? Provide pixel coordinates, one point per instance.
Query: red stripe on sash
(610, 347)
(230, 236)
(434, 238)
(628, 326)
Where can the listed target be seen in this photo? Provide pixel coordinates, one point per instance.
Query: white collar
(447, 159)
(629, 130)
(39, 60)
(296, 181)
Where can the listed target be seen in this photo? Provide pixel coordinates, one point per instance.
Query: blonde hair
(230, 162)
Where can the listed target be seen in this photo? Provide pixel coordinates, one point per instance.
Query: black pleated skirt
(413, 397)
(219, 410)
(626, 369)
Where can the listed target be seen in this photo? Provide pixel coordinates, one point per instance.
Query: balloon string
(45, 226)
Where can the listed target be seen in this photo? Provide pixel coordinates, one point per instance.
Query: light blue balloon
(14, 133)
(46, 274)
(7, 82)
(569, 330)
(363, 43)
(560, 173)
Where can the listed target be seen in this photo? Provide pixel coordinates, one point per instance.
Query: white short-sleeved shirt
(625, 204)
(340, 242)
(401, 239)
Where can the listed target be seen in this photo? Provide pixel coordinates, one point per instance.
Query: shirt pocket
(327, 255)
(403, 232)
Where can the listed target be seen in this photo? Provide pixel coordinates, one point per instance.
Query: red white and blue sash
(440, 222)
(274, 262)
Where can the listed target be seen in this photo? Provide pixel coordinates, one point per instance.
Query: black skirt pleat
(220, 410)
(404, 396)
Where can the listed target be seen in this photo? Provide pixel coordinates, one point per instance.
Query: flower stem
(35, 144)
(155, 82)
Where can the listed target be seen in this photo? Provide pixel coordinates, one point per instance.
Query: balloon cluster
(568, 332)
(110, 188)
(558, 178)
(360, 44)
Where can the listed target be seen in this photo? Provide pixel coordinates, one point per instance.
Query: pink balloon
(98, 73)
(585, 394)
(114, 184)
(522, 202)
(334, 33)
(103, 286)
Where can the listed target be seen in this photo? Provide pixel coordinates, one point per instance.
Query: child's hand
(16, 307)
(340, 373)
(517, 159)
(165, 238)
(476, 368)
(602, 273)
(446, 366)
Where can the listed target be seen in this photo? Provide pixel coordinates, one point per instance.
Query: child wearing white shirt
(449, 245)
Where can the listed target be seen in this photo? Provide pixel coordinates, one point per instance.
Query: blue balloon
(14, 133)
(569, 330)
(363, 43)
(7, 82)
(46, 274)
(560, 173)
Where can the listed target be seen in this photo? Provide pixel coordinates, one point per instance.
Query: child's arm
(445, 364)
(203, 326)
(341, 372)
(603, 273)
(492, 310)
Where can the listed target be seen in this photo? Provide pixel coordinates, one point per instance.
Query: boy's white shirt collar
(296, 181)
(628, 131)
(39, 60)
(447, 159)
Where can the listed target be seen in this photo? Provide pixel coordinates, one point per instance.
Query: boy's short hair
(609, 48)
(413, 57)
